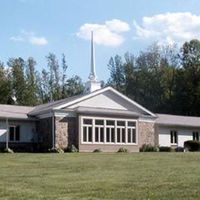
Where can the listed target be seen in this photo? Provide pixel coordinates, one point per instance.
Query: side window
(14, 133)
(195, 135)
(173, 137)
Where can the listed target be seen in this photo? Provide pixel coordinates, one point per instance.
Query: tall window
(121, 135)
(87, 130)
(14, 133)
(99, 130)
(174, 137)
(131, 132)
(108, 130)
(195, 135)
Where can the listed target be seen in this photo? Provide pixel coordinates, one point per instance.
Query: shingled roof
(15, 111)
(49, 106)
(178, 120)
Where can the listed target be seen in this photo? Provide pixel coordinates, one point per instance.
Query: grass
(100, 176)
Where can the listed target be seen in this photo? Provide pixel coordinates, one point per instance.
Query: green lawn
(100, 176)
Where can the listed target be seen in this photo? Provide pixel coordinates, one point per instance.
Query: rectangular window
(131, 124)
(87, 121)
(87, 130)
(195, 135)
(101, 134)
(173, 137)
(85, 134)
(89, 134)
(107, 130)
(107, 134)
(14, 133)
(96, 134)
(118, 135)
(123, 136)
(110, 122)
(120, 123)
(112, 135)
(99, 122)
(131, 135)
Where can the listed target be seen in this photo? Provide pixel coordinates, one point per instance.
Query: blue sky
(37, 27)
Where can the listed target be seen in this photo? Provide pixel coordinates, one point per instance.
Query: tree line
(164, 79)
(21, 83)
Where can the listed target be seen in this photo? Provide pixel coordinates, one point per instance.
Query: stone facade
(66, 132)
(146, 133)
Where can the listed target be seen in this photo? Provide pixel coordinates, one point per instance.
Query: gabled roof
(24, 111)
(87, 96)
(15, 111)
(177, 120)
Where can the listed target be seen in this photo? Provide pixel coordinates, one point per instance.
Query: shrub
(192, 145)
(55, 150)
(72, 149)
(122, 150)
(148, 148)
(165, 149)
(97, 151)
(179, 149)
(8, 150)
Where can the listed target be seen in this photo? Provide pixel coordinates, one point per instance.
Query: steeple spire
(92, 83)
(92, 75)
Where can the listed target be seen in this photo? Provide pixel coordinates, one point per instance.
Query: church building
(101, 118)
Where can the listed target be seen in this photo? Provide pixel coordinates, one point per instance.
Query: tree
(74, 86)
(31, 84)
(116, 73)
(64, 77)
(53, 65)
(5, 85)
(188, 80)
(17, 66)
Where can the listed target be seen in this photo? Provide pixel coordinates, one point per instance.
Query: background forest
(164, 79)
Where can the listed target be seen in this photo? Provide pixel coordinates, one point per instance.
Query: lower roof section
(177, 120)
(15, 112)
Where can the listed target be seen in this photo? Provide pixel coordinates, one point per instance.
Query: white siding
(27, 130)
(108, 100)
(184, 134)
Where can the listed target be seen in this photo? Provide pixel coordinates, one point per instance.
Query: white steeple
(92, 75)
(92, 84)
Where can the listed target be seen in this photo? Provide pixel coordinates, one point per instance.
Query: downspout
(53, 130)
(7, 132)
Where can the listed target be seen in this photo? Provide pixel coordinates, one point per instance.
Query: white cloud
(108, 33)
(16, 38)
(117, 25)
(38, 40)
(169, 27)
(30, 37)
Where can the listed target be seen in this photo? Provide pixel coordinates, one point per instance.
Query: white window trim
(105, 126)
(173, 143)
(14, 140)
